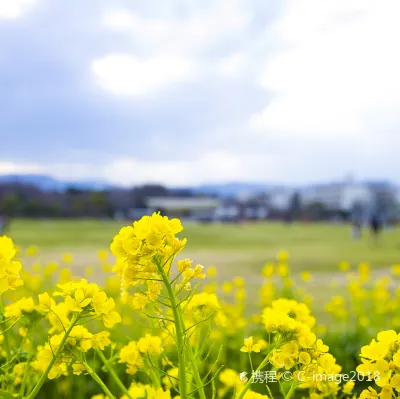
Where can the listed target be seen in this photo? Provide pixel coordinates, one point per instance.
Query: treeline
(22, 200)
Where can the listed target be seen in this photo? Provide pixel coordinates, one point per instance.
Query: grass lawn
(313, 247)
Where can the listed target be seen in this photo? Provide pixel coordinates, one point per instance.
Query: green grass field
(313, 247)
(236, 250)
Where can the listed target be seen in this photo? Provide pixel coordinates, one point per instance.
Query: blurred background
(264, 126)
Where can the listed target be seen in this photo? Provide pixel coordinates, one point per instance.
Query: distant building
(197, 208)
(338, 196)
(279, 198)
(228, 211)
(233, 210)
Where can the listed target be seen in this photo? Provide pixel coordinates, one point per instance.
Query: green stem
(24, 378)
(113, 374)
(103, 386)
(183, 389)
(290, 392)
(249, 382)
(44, 376)
(154, 377)
(196, 373)
(27, 365)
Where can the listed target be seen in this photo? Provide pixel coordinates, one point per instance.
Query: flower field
(153, 323)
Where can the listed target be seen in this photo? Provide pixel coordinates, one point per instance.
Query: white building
(338, 196)
(228, 210)
(279, 198)
(190, 207)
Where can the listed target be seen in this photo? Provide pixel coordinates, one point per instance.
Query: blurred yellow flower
(240, 295)
(67, 258)
(36, 267)
(282, 256)
(282, 269)
(344, 266)
(32, 250)
(227, 287)
(65, 275)
(50, 268)
(268, 270)
(89, 271)
(106, 267)
(238, 282)
(363, 270)
(396, 270)
(306, 276)
(102, 254)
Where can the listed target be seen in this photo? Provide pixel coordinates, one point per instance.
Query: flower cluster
(381, 363)
(137, 391)
(136, 246)
(79, 340)
(134, 354)
(9, 267)
(83, 297)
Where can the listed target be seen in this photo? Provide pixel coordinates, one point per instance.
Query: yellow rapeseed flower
(102, 254)
(282, 256)
(31, 250)
(211, 271)
(67, 258)
(282, 269)
(150, 344)
(344, 266)
(227, 287)
(249, 346)
(268, 270)
(9, 267)
(306, 276)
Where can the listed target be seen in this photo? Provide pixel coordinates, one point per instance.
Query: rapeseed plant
(164, 327)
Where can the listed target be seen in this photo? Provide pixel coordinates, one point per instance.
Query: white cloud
(130, 170)
(214, 166)
(118, 19)
(232, 65)
(203, 25)
(129, 75)
(168, 47)
(336, 69)
(11, 9)
(15, 168)
(312, 95)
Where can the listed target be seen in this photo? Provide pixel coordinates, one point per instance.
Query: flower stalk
(99, 381)
(44, 376)
(183, 388)
(261, 366)
(113, 374)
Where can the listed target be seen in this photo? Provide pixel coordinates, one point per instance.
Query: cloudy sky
(194, 91)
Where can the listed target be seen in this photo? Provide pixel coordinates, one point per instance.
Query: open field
(237, 250)
(314, 247)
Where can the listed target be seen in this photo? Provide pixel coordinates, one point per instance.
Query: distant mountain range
(234, 188)
(231, 189)
(48, 183)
